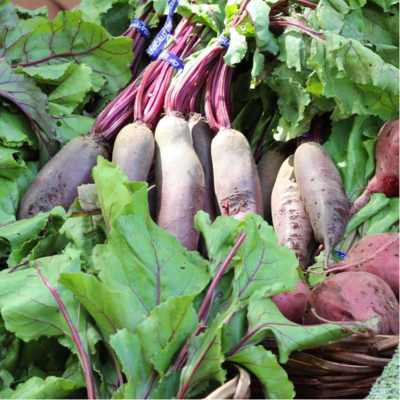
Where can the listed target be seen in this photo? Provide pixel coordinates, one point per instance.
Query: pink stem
(83, 356)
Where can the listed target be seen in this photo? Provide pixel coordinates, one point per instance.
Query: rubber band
(141, 26)
(340, 254)
(159, 42)
(172, 59)
(223, 41)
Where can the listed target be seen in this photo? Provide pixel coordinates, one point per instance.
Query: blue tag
(172, 59)
(340, 254)
(159, 42)
(223, 41)
(141, 27)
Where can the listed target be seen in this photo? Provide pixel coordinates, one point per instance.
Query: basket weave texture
(346, 369)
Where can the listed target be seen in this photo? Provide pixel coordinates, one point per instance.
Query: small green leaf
(165, 330)
(259, 13)
(135, 365)
(66, 97)
(264, 365)
(237, 48)
(265, 318)
(50, 388)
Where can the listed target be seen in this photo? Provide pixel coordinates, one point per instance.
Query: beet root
(202, 136)
(386, 178)
(236, 182)
(322, 192)
(290, 221)
(133, 151)
(179, 180)
(293, 304)
(357, 296)
(376, 254)
(57, 182)
(268, 168)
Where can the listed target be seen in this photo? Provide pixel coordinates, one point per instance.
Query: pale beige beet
(322, 192)
(179, 179)
(289, 218)
(236, 181)
(268, 168)
(133, 151)
(357, 296)
(202, 136)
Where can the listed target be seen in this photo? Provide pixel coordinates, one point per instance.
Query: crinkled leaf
(25, 95)
(135, 364)
(259, 14)
(237, 48)
(93, 10)
(72, 126)
(15, 130)
(10, 192)
(70, 37)
(354, 76)
(264, 318)
(66, 97)
(264, 365)
(11, 163)
(51, 387)
(17, 240)
(165, 330)
(208, 14)
(294, 102)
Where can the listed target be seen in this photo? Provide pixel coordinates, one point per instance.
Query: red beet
(386, 178)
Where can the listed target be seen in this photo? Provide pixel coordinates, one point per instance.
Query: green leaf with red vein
(70, 38)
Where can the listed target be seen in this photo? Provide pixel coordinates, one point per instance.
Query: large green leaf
(147, 262)
(264, 365)
(259, 264)
(71, 38)
(110, 309)
(26, 304)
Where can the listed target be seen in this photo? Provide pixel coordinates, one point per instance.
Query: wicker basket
(346, 369)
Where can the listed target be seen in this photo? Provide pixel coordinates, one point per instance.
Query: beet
(293, 304)
(356, 296)
(386, 178)
(377, 254)
(57, 182)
